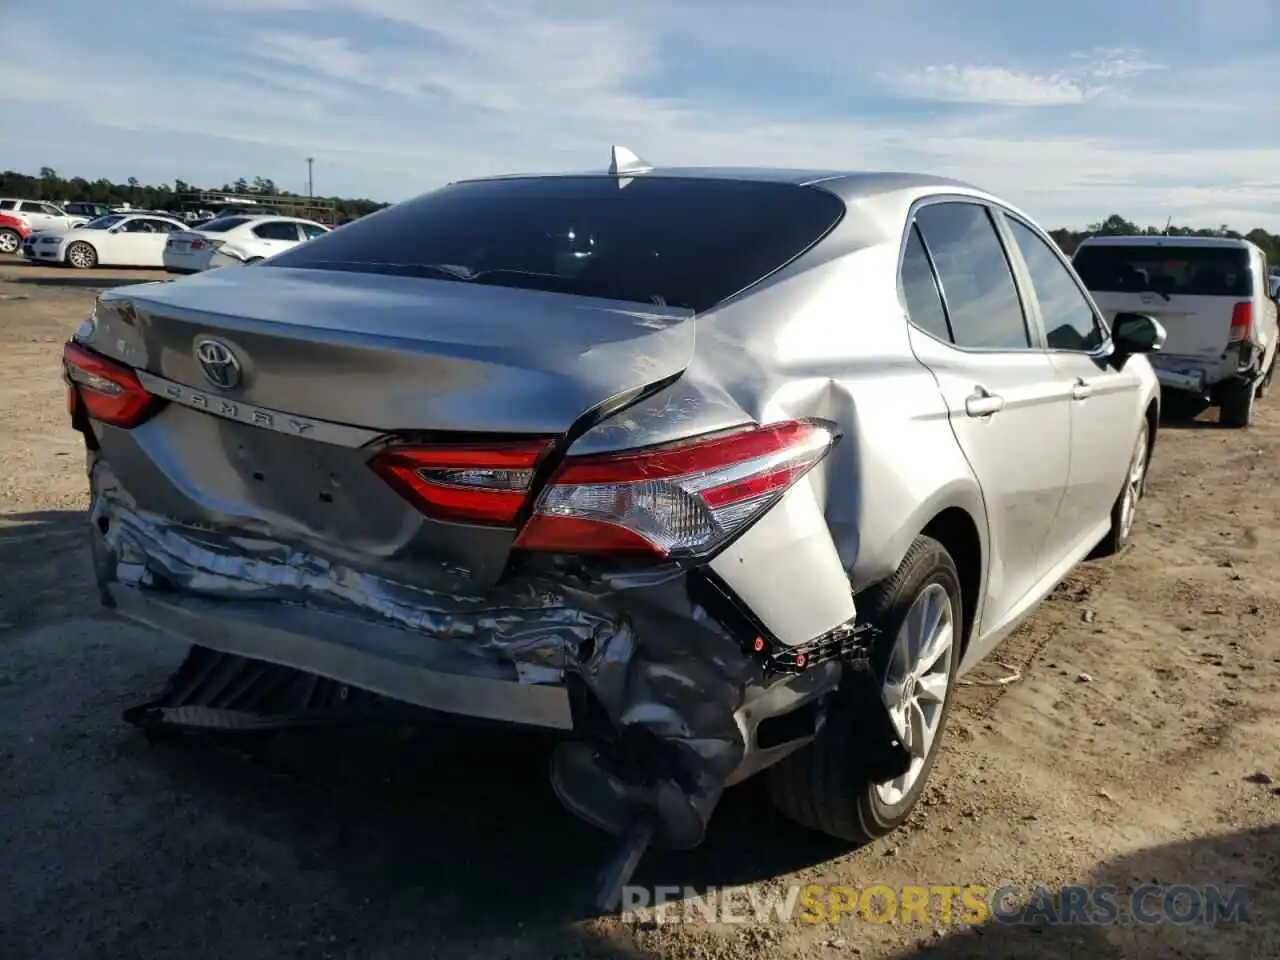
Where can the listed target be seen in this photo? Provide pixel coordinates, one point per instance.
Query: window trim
(913, 228)
(1104, 349)
(1030, 319)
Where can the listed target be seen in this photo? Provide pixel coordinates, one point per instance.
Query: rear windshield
(1166, 269)
(679, 242)
(224, 224)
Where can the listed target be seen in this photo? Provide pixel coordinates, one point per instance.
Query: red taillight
(109, 391)
(481, 484)
(681, 500)
(197, 244)
(1241, 322)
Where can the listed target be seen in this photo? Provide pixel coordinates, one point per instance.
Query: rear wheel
(1125, 508)
(10, 240)
(1236, 403)
(82, 256)
(1264, 386)
(829, 786)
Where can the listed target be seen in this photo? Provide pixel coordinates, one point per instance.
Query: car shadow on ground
(426, 840)
(45, 571)
(88, 280)
(1245, 864)
(1187, 413)
(465, 813)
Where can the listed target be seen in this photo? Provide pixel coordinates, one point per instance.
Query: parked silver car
(711, 470)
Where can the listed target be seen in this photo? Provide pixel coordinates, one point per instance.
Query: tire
(82, 256)
(10, 241)
(828, 786)
(1264, 386)
(1125, 508)
(1236, 402)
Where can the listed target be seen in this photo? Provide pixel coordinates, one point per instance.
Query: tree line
(1117, 226)
(48, 185)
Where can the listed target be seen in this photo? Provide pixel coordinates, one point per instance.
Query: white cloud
(995, 85)
(1090, 75)
(396, 96)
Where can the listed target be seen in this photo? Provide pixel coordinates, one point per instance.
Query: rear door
(1192, 289)
(275, 236)
(1104, 394)
(1000, 387)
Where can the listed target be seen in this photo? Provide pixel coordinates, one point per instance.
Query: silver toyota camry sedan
(711, 471)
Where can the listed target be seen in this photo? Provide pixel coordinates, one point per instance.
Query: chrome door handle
(983, 403)
(1081, 390)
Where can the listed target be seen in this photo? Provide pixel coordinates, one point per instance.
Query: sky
(1153, 109)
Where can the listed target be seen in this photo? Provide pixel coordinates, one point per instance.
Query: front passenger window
(982, 299)
(1069, 321)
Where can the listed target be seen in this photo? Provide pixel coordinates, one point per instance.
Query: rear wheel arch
(957, 531)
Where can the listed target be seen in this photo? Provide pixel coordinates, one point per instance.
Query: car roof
(850, 184)
(1165, 240)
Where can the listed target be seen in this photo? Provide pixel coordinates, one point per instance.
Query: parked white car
(236, 239)
(41, 215)
(117, 240)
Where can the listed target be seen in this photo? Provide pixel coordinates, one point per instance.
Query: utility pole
(310, 191)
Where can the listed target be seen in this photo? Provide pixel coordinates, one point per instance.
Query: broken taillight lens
(1241, 322)
(482, 484)
(108, 391)
(680, 500)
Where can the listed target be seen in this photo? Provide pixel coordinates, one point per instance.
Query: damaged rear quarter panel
(825, 338)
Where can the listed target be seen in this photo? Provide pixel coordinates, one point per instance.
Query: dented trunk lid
(332, 366)
(400, 353)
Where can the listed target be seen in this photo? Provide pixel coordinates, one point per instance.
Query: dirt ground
(1126, 753)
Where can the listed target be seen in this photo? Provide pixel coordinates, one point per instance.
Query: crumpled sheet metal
(660, 666)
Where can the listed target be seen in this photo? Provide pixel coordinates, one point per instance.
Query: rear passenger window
(924, 303)
(276, 230)
(1069, 323)
(982, 300)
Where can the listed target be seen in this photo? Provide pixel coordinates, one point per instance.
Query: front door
(1105, 412)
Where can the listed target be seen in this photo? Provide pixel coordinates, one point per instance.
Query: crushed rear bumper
(664, 691)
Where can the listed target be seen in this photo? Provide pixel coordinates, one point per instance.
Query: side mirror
(1137, 333)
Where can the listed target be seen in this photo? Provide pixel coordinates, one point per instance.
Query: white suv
(41, 216)
(1211, 295)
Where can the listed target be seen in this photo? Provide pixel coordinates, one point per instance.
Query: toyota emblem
(218, 363)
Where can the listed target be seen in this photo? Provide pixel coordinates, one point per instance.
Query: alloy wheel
(916, 683)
